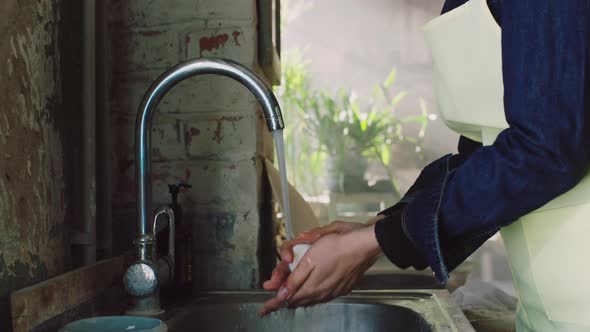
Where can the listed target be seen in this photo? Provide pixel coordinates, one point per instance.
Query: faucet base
(146, 306)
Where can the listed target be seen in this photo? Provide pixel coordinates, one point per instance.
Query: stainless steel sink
(361, 311)
(399, 281)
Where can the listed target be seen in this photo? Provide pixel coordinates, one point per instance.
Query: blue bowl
(116, 324)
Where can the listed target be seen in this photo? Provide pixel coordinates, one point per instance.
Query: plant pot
(383, 186)
(348, 175)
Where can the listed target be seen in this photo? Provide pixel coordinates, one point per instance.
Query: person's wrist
(365, 242)
(374, 220)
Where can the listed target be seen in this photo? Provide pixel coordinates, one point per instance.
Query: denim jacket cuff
(421, 216)
(396, 209)
(394, 242)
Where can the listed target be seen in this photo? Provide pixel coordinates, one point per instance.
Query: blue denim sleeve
(545, 151)
(391, 232)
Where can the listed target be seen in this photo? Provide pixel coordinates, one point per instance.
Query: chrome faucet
(141, 278)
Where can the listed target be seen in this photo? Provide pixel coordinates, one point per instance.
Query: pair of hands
(341, 253)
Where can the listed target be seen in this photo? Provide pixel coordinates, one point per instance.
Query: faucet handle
(175, 188)
(171, 233)
(140, 279)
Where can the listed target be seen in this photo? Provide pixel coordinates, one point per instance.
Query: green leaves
(396, 100)
(385, 153)
(390, 78)
(337, 125)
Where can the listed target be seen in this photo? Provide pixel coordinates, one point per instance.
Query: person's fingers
(309, 298)
(309, 294)
(320, 294)
(295, 280)
(279, 274)
(315, 234)
(304, 302)
(333, 227)
(317, 290)
(286, 251)
(303, 299)
(338, 226)
(293, 283)
(271, 305)
(311, 236)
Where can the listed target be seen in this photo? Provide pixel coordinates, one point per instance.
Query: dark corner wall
(39, 140)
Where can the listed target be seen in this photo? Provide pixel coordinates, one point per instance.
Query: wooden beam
(269, 57)
(36, 304)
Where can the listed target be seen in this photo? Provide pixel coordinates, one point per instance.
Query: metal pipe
(89, 130)
(156, 92)
(103, 128)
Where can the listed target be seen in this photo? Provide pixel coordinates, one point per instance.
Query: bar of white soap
(298, 253)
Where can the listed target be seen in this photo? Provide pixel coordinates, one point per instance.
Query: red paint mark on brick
(190, 134)
(160, 176)
(236, 34)
(217, 136)
(212, 43)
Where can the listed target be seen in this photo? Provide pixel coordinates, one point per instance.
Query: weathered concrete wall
(208, 132)
(35, 196)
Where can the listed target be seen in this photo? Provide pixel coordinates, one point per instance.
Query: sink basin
(116, 324)
(384, 275)
(398, 281)
(361, 311)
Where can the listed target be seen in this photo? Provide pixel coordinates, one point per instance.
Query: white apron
(546, 248)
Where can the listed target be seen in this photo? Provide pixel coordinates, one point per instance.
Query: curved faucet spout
(156, 92)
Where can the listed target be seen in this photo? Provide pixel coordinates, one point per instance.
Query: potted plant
(354, 136)
(340, 135)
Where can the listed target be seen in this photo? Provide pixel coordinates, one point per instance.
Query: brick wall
(207, 132)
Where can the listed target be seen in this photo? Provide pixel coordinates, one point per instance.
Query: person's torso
(468, 69)
(545, 246)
